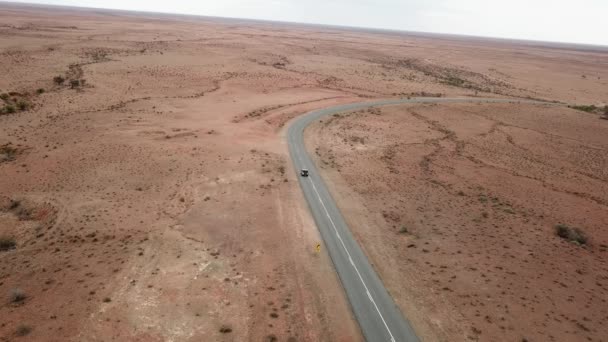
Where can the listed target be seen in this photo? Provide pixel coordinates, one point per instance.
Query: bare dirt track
(145, 189)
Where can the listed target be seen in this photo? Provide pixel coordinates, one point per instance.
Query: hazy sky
(580, 21)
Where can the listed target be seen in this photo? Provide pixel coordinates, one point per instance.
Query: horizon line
(524, 41)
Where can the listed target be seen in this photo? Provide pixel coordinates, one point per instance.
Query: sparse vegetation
(584, 108)
(23, 213)
(225, 329)
(14, 101)
(98, 55)
(357, 139)
(59, 80)
(508, 210)
(23, 330)
(14, 204)
(571, 234)
(23, 105)
(403, 230)
(7, 243)
(7, 153)
(40, 91)
(455, 81)
(17, 296)
(74, 83)
(107, 300)
(421, 94)
(8, 109)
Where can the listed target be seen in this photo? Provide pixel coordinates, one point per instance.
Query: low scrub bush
(58, 80)
(455, 81)
(23, 330)
(23, 105)
(17, 296)
(9, 109)
(7, 243)
(225, 329)
(7, 153)
(584, 108)
(571, 234)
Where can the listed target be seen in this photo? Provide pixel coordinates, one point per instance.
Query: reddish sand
(156, 201)
(456, 205)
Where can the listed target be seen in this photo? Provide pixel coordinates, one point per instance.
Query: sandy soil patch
(146, 190)
(459, 208)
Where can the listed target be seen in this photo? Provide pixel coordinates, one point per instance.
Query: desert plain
(147, 194)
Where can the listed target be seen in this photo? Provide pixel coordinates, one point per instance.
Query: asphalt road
(379, 317)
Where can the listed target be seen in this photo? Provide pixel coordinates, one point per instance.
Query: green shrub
(40, 91)
(23, 330)
(455, 81)
(584, 108)
(58, 80)
(225, 329)
(571, 234)
(23, 105)
(7, 243)
(17, 296)
(74, 83)
(4, 96)
(7, 153)
(14, 204)
(9, 109)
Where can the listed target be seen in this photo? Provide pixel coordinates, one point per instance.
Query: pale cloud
(581, 21)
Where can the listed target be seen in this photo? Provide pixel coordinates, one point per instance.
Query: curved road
(379, 317)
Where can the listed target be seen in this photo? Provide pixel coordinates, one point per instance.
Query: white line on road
(295, 137)
(369, 295)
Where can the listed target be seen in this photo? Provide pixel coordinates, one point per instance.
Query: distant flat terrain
(147, 191)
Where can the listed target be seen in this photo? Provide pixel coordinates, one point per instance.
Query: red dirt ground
(156, 201)
(456, 205)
